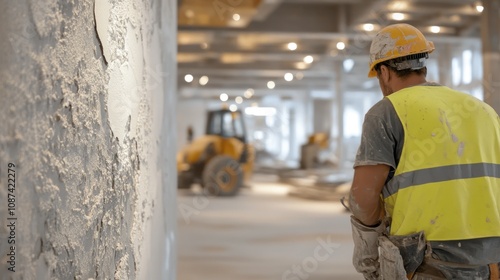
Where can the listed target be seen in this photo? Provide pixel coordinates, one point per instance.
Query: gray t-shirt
(382, 138)
(382, 142)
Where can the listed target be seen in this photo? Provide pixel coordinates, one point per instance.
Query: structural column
(490, 35)
(322, 115)
(339, 94)
(339, 103)
(444, 65)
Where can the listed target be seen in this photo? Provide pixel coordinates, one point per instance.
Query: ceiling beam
(366, 11)
(249, 72)
(289, 18)
(266, 8)
(279, 34)
(325, 1)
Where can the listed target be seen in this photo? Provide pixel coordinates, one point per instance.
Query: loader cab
(227, 124)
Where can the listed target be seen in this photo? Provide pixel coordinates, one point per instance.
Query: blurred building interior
(299, 67)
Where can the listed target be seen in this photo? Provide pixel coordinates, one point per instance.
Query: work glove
(391, 261)
(365, 256)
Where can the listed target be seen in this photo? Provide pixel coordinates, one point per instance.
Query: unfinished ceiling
(241, 44)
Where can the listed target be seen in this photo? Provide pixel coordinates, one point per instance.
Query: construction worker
(425, 197)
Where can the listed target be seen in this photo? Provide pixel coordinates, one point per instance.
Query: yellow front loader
(221, 160)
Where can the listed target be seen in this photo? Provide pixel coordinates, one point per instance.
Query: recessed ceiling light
(299, 75)
(398, 16)
(189, 13)
(238, 99)
(270, 85)
(308, 59)
(348, 64)
(435, 29)
(398, 5)
(223, 97)
(236, 17)
(301, 65)
(203, 80)
(368, 27)
(255, 110)
(288, 77)
(188, 78)
(233, 108)
(292, 46)
(479, 8)
(454, 18)
(340, 45)
(249, 93)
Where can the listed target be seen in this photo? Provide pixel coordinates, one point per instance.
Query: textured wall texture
(87, 98)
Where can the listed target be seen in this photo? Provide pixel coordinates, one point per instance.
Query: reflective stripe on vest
(439, 174)
(447, 181)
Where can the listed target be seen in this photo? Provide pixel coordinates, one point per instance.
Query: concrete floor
(262, 234)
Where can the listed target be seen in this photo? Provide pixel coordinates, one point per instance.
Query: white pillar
(339, 102)
(444, 65)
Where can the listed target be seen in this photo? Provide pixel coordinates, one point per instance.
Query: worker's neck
(410, 81)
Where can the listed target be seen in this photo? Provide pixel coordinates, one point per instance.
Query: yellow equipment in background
(310, 151)
(221, 160)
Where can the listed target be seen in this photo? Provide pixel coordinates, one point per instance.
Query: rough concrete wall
(82, 96)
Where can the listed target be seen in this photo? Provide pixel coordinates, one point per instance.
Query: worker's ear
(385, 73)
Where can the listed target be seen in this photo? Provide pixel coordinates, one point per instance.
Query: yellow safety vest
(447, 182)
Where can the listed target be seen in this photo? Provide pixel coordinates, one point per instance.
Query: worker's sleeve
(379, 138)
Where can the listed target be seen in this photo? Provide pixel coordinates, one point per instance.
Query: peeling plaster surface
(86, 109)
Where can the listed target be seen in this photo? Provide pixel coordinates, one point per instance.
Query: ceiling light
(223, 97)
(236, 17)
(340, 45)
(260, 111)
(288, 77)
(368, 27)
(238, 99)
(398, 6)
(203, 80)
(348, 65)
(292, 46)
(301, 65)
(308, 59)
(189, 13)
(233, 108)
(454, 18)
(188, 78)
(248, 93)
(435, 29)
(479, 8)
(270, 85)
(397, 16)
(299, 75)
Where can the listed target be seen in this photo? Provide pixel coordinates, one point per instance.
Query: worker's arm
(364, 198)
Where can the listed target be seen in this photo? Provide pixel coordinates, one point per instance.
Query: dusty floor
(262, 234)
